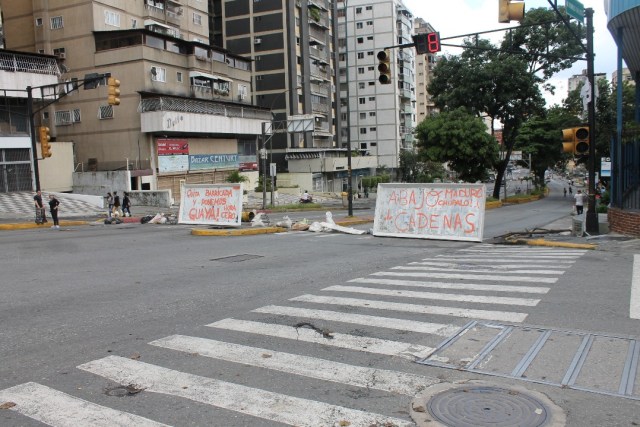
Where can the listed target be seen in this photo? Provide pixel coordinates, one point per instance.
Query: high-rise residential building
(626, 77)
(381, 117)
(425, 64)
(292, 47)
(185, 113)
(576, 80)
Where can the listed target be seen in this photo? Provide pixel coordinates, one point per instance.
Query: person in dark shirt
(126, 205)
(53, 208)
(40, 211)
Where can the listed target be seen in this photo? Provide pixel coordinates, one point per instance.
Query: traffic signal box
(427, 43)
(114, 91)
(510, 11)
(45, 147)
(576, 141)
(384, 66)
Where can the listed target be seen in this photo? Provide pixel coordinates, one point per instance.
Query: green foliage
(372, 182)
(459, 139)
(413, 168)
(236, 177)
(504, 85)
(259, 187)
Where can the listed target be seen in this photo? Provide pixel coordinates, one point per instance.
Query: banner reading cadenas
(430, 211)
(211, 204)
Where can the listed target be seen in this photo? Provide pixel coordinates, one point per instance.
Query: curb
(26, 225)
(550, 243)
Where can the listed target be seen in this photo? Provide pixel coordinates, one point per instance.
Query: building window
(179, 77)
(158, 74)
(360, 40)
(38, 22)
(358, 10)
(372, 98)
(363, 131)
(112, 18)
(361, 101)
(373, 144)
(372, 129)
(41, 51)
(361, 85)
(59, 52)
(56, 22)
(370, 53)
(372, 113)
(197, 19)
(369, 8)
(363, 145)
(369, 37)
(105, 112)
(363, 116)
(64, 118)
(372, 83)
(360, 55)
(369, 23)
(359, 25)
(360, 70)
(371, 68)
(243, 91)
(134, 23)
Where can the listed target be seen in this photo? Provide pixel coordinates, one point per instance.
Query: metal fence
(201, 107)
(15, 170)
(627, 191)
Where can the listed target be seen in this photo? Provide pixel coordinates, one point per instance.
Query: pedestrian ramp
(597, 363)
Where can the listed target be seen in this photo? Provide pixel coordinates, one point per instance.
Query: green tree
(505, 84)
(414, 168)
(541, 137)
(460, 139)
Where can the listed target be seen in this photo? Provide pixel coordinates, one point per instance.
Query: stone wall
(625, 222)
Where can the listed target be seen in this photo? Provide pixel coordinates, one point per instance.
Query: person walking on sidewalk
(580, 196)
(53, 208)
(109, 204)
(41, 216)
(116, 203)
(126, 205)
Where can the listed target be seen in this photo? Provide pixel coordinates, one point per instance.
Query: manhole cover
(487, 406)
(237, 258)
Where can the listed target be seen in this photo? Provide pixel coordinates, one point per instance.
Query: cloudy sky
(457, 17)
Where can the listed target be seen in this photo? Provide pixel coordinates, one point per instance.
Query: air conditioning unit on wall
(257, 40)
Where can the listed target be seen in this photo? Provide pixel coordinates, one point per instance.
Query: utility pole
(32, 129)
(591, 216)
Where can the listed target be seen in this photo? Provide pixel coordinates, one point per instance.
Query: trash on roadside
(258, 221)
(285, 223)
(329, 225)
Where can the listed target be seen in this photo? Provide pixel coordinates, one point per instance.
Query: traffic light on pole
(427, 43)
(45, 147)
(510, 11)
(384, 66)
(576, 141)
(114, 91)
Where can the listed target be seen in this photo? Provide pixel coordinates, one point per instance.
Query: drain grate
(487, 406)
(237, 258)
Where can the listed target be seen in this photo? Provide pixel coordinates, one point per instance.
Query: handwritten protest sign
(211, 204)
(430, 211)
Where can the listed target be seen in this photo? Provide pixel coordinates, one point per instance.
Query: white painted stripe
(59, 409)
(436, 296)
(482, 269)
(439, 329)
(505, 316)
(456, 286)
(502, 259)
(492, 266)
(471, 277)
(312, 367)
(234, 397)
(634, 302)
(512, 250)
(351, 342)
(527, 256)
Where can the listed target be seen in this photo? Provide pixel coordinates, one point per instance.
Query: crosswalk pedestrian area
(432, 299)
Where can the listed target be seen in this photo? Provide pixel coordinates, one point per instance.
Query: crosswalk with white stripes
(430, 299)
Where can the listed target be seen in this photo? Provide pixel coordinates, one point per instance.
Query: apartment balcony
(320, 108)
(321, 55)
(405, 93)
(319, 34)
(321, 72)
(322, 4)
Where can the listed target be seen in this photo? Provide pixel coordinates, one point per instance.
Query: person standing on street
(41, 216)
(565, 192)
(109, 204)
(580, 196)
(116, 203)
(126, 205)
(53, 208)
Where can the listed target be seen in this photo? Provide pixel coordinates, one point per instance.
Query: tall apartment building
(626, 77)
(381, 117)
(577, 79)
(185, 112)
(292, 47)
(425, 64)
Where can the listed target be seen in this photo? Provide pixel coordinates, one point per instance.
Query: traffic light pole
(34, 148)
(591, 223)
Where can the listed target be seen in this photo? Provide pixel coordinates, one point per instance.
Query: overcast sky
(457, 17)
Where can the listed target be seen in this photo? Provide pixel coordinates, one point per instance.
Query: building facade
(380, 117)
(17, 72)
(185, 112)
(292, 46)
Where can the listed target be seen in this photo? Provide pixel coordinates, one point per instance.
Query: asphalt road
(86, 310)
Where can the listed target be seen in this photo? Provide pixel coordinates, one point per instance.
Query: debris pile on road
(159, 218)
